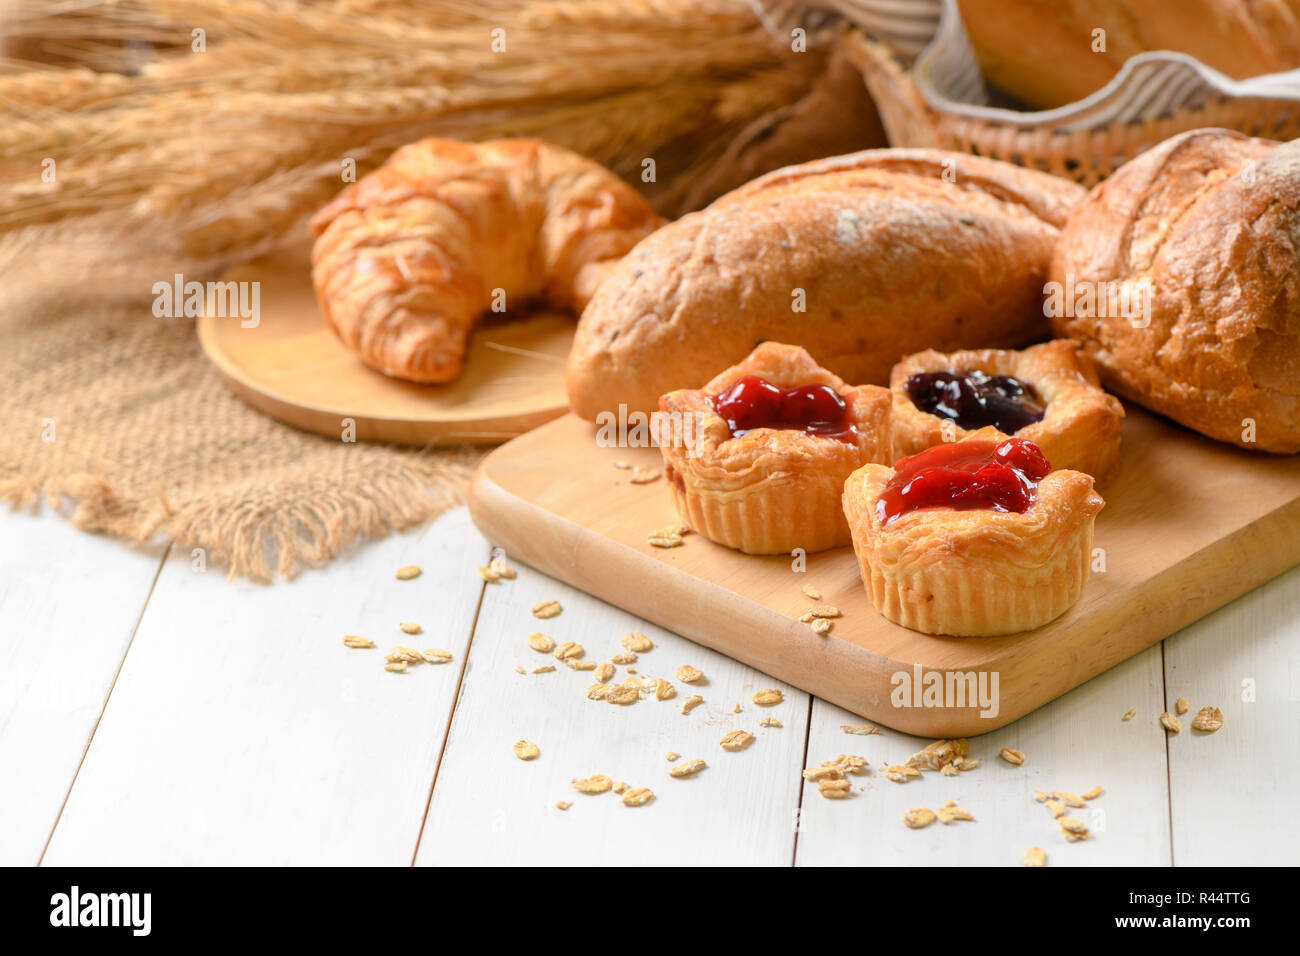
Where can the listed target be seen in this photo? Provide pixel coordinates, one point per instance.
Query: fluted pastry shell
(770, 490)
(1081, 426)
(974, 573)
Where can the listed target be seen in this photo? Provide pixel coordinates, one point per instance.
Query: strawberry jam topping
(752, 402)
(966, 475)
(975, 399)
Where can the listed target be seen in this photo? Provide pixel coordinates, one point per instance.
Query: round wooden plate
(292, 366)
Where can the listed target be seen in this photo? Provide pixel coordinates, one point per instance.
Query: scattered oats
(406, 655)
(1057, 808)
(966, 763)
(623, 695)
(664, 690)
(824, 610)
(1034, 856)
(408, 572)
(769, 697)
(638, 797)
(935, 755)
(621, 465)
(544, 669)
(821, 625)
(811, 593)
(951, 814)
(688, 769)
(410, 627)
(627, 657)
(736, 740)
(488, 574)
(1171, 723)
(525, 750)
(918, 818)
(688, 674)
(562, 804)
(541, 643)
(397, 667)
(769, 722)
(1181, 706)
(546, 609)
(735, 709)
(637, 642)
(598, 691)
(833, 789)
(1013, 757)
(597, 783)
(827, 771)
(519, 670)
(574, 664)
(568, 650)
(631, 670)
(671, 756)
(690, 703)
(1069, 799)
(850, 763)
(1130, 713)
(1093, 794)
(660, 539)
(642, 477)
(620, 787)
(499, 567)
(901, 774)
(435, 655)
(604, 672)
(860, 730)
(352, 640)
(1072, 829)
(1039, 796)
(949, 770)
(1207, 720)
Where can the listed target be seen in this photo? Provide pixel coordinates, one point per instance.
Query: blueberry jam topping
(752, 402)
(975, 399)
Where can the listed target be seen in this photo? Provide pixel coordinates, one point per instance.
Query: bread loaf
(1045, 51)
(860, 259)
(1208, 222)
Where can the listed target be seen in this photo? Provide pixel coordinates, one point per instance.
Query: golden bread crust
(1211, 221)
(884, 254)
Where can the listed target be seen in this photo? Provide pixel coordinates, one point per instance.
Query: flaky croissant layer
(409, 257)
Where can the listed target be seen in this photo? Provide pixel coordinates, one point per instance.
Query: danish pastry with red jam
(756, 459)
(972, 538)
(1047, 394)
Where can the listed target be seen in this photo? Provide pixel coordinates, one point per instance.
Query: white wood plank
(1229, 788)
(1072, 744)
(69, 602)
(491, 808)
(241, 730)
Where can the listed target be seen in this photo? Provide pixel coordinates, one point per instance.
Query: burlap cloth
(118, 420)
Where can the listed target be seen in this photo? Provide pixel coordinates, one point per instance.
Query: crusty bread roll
(885, 256)
(1209, 222)
(1042, 51)
(411, 255)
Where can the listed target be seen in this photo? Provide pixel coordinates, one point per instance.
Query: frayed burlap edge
(254, 541)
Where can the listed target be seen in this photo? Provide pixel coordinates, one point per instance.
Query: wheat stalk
(223, 151)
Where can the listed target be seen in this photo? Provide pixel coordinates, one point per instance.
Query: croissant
(407, 258)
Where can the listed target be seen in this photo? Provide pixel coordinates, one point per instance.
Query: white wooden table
(155, 714)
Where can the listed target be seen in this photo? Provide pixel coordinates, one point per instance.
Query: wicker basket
(1085, 155)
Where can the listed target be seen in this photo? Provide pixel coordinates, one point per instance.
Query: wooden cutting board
(292, 367)
(1189, 524)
